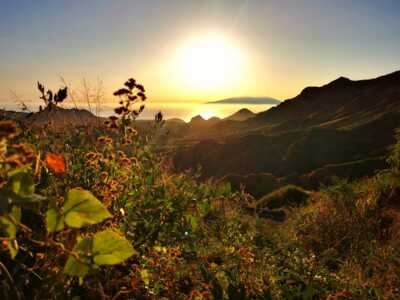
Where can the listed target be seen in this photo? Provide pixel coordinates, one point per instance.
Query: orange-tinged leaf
(56, 163)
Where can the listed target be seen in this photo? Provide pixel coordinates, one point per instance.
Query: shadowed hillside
(338, 124)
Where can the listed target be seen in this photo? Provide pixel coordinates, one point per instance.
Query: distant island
(247, 100)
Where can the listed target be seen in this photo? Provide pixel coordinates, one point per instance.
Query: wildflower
(113, 126)
(4, 243)
(125, 161)
(132, 98)
(103, 176)
(91, 155)
(121, 92)
(140, 88)
(131, 131)
(134, 160)
(130, 83)
(102, 139)
(26, 150)
(56, 163)
(14, 160)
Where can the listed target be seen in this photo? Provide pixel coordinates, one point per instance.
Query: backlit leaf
(54, 219)
(109, 248)
(22, 184)
(8, 228)
(81, 208)
(80, 267)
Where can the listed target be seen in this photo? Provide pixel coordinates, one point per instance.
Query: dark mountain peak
(213, 119)
(342, 101)
(197, 119)
(309, 91)
(244, 111)
(337, 83)
(175, 120)
(341, 81)
(241, 115)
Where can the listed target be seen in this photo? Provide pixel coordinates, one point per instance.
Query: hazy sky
(286, 45)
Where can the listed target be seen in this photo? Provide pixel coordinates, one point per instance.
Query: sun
(207, 114)
(209, 62)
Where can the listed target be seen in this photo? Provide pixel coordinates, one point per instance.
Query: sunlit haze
(193, 51)
(208, 63)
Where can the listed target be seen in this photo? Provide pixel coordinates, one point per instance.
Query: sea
(185, 111)
(170, 110)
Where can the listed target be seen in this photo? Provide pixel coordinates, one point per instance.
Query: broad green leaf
(54, 219)
(81, 208)
(81, 267)
(109, 248)
(104, 248)
(20, 190)
(9, 228)
(8, 222)
(22, 184)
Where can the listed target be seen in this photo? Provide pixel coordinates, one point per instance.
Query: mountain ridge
(343, 123)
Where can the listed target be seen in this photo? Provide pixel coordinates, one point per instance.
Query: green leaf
(80, 267)
(81, 208)
(21, 184)
(104, 248)
(9, 221)
(109, 248)
(54, 219)
(9, 228)
(192, 220)
(150, 180)
(20, 190)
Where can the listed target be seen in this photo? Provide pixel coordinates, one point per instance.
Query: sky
(269, 48)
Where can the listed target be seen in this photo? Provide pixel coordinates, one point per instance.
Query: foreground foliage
(95, 212)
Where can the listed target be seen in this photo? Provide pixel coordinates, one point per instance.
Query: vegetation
(95, 212)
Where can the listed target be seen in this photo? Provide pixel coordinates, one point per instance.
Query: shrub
(132, 229)
(287, 196)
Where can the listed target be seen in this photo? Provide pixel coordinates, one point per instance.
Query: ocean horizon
(170, 110)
